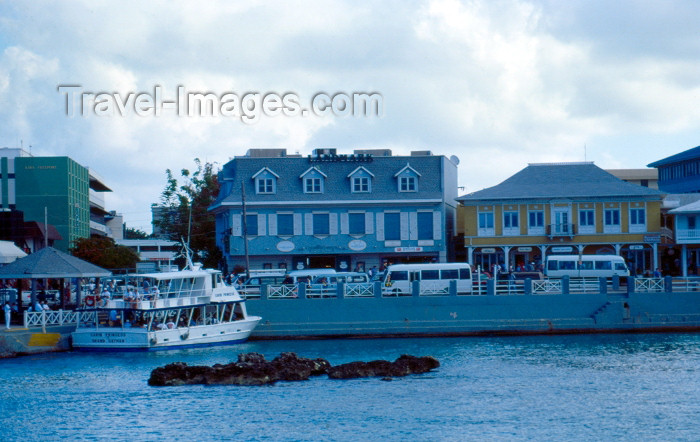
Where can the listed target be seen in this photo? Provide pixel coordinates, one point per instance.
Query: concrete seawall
(18, 341)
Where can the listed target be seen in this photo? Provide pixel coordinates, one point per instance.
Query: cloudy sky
(499, 84)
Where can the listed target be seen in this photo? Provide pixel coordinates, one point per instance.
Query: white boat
(155, 311)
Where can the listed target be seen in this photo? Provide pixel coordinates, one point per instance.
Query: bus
(585, 266)
(435, 278)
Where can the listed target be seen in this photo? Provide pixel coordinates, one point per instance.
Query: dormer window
(360, 180)
(313, 180)
(265, 181)
(407, 179)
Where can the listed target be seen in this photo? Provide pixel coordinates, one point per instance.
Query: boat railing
(56, 317)
(649, 285)
(359, 290)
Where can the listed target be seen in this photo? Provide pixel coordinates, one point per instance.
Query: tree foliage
(133, 233)
(105, 253)
(185, 216)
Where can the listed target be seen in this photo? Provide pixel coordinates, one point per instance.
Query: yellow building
(561, 208)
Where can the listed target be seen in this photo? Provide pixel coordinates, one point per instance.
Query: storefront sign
(652, 238)
(488, 250)
(562, 249)
(407, 249)
(636, 247)
(285, 246)
(524, 249)
(357, 245)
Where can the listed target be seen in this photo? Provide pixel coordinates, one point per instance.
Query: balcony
(688, 236)
(561, 230)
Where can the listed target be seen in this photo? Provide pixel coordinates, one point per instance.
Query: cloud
(497, 83)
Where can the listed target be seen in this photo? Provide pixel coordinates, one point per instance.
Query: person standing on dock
(8, 311)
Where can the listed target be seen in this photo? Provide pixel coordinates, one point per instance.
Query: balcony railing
(689, 235)
(558, 230)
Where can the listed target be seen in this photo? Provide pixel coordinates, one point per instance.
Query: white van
(581, 266)
(434, 278)
(306, 276)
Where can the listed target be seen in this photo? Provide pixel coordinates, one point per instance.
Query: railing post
(565, 285)
(668, 284)
(415, 288)
(43, 321)
(453, 288)
(616, 282)
(491, 287)
(340, 290)
(527, 286)
(301, 291)
(630, 285)
(603, 282)
(263, 291)
(377, 288)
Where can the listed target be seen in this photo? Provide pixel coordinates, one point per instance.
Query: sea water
(575, 387)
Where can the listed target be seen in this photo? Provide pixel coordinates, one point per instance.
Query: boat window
(464, 274)
(399, 276)
(430, 274)
(449, 274)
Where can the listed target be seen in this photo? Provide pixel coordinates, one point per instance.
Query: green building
(58, 188)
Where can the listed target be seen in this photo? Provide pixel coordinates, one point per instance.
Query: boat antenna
(187, 253)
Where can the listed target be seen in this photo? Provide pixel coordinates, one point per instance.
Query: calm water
(598, 387)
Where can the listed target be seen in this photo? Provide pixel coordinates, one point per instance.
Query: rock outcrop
(253, 369)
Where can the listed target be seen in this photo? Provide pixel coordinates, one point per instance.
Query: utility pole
(245, 232)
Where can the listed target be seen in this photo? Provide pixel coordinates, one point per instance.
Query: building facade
(680, 173)
(567, 208)
(345, 212)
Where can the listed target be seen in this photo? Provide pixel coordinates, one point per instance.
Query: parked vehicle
(433, 277)
(585, 266)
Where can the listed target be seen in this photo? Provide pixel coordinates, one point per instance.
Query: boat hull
(135, 339)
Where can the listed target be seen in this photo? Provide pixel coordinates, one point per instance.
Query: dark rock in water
(250, 369)
(253, 369)
(403, 366)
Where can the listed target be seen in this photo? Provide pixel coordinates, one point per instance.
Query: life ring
(91, 300)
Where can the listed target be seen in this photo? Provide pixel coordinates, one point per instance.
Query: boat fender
(154, 341)
(184, 336)
(90, 300)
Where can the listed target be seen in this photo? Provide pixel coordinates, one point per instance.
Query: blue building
(337, 211)
(679, 173)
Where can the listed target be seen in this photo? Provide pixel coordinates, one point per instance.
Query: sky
(498, 84)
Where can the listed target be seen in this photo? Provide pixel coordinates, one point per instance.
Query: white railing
(688, 234)
(649, 285)
(584, 285)
(434, 288)
(281, 291)
(546, 287)
(509, 288)
(359, 290)
(56, 317)
(686, 284)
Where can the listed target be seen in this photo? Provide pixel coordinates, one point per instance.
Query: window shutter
(437, 226)
(413, 225)
(308, 224)
(236, 225)
(333, 223)
(272, 224)
(369, 223)
(297, 224)
(404, 226)
(262, 221)
(380, 226)
(344, 224)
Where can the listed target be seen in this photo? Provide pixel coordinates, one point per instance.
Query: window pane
(603, 265)
(252, 224)
(285, 224)
(399, 276)
(356, 223)
(321, 224)
(430, 274)
(450, 274)
(392, 226)
(425, 225)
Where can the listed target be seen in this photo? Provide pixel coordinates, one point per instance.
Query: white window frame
(637, 227)
(534, 229)
(361, 184)
(586, 228)
(266, 182)
(485, 231)
(310, 185)
(508, 217)
(408, 184)
(612, 226)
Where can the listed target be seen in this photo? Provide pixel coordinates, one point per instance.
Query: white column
(684, 259)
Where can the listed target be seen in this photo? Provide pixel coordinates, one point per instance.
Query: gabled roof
(688, 208)
(407, 166)
(10, 252)
(265, 169)
(690, 154)
(51, 263)
(561, 180)
(311, 169)
(359, 169)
